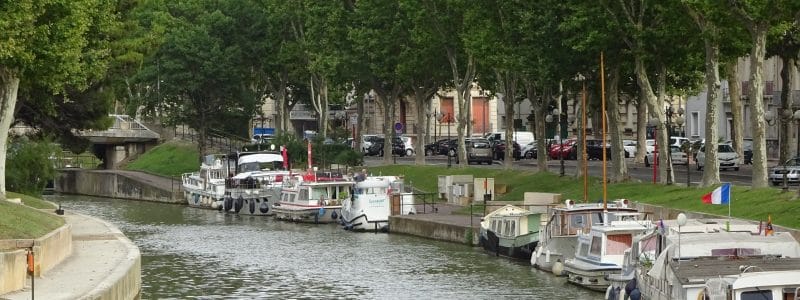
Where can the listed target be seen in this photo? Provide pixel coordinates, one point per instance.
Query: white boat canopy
(260, 158)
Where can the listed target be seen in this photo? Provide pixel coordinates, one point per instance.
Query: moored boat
(601, 252)
(315, 197)
(711, 259)
(372, 203)
(560, 231)
(206, 187)
(510, 231)
(256, 185)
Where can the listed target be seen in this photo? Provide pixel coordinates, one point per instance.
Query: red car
(566, 150)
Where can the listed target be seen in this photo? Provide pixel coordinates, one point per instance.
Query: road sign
(353, 120)
(398, 127)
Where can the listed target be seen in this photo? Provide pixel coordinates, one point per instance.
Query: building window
(695, 123)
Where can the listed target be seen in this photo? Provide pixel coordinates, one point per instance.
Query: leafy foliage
(29, 165)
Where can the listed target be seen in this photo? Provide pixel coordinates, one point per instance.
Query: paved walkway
(101, 255)
(444, 215)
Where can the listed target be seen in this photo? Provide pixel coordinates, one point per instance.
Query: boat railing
(660, 287)
(423, 202)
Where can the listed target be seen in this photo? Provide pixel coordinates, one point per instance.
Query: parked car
(398, 148)
(678, 156)
(747, 144)
(568, 149)
(529, 150)
(433, 148)
(367, 140)
(478, 151)
(630, 148)
(407, 145)
(789, 170)
(500, 150)
(726, 157)
(594, 149)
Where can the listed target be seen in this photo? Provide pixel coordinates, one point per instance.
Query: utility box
(483, 186)
(447, 183)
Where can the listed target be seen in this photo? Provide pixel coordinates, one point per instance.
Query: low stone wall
(434, 230)
(48, 251)
(112, 185)
(666, 213)
(125, 280)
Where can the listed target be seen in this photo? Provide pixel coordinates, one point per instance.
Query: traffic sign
(398, 127)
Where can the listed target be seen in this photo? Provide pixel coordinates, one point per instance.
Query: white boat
(256, 185)
(313, 198)
(206, 187)
(601, 252)
(709, 259)
(372, 203)
(510, 231)
(559, 236)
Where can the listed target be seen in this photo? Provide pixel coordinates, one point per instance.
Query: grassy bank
(26, 221)
(169, 159)
(747, 203)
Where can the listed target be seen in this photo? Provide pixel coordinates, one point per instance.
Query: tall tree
(49, 43)
(758, 17)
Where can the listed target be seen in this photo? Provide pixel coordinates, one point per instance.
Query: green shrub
(29, 166)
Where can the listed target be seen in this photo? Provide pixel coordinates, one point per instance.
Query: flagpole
(603, 143)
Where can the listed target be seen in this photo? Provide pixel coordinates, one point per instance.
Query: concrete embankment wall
(433, 230)
(109, 184)
(48, 251)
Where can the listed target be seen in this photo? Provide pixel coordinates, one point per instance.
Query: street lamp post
(550, 119)
(796, 119)
(669, 111)
(654, 123)
(769, 117)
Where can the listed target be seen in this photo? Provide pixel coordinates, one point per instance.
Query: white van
(521, 137)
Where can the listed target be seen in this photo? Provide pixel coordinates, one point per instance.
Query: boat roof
(703, 244)
(509, 211)
(768, 278)
(623, 226)
(579, 207)
(376, 181)
(260, 174)
(259, 158)
(697, 271)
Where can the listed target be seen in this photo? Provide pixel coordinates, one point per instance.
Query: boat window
(303, 194)
(494, 225)
(737, 252)
(319, 193)
(584, 250)
(513, 228)
(616, 244)
(597, 218)
(505, 227)
(597, 245)
(757, 295)
(576, 221)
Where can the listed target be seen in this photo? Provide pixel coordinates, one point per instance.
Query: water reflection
(195, 253)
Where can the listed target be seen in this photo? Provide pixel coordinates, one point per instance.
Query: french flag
(720, 195)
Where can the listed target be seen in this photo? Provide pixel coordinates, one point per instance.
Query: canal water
(190, 253)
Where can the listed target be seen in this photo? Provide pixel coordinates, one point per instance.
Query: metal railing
(215, 139)
(127, 123)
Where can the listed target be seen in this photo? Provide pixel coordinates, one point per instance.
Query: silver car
(789, 170)
(726, 157)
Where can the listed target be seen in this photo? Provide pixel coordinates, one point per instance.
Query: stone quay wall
(102, 183)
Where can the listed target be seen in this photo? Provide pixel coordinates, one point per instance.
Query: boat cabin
(511, 221)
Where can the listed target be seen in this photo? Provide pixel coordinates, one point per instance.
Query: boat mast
(603, 142)
(585, 161)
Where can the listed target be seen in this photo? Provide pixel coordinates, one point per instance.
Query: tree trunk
(388, 128)
(787, 78)
(759, 36)
(654, 106)
(508, 84)
(539, 106)
(422, 100)
(619, 171)
(463, 92)
(641, 128)
(581, 118)
(713, 98)
(9, 86)
(737, 113)
(319, 99)
(662, 139)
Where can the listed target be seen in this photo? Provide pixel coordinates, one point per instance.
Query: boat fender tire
(237, 206)
(558, 268)
(228, 204)
(264, 207)
(635, 295)
(334, 215)
(252, 207)
(630, 286)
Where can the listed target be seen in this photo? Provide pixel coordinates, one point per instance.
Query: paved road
(637, 171)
